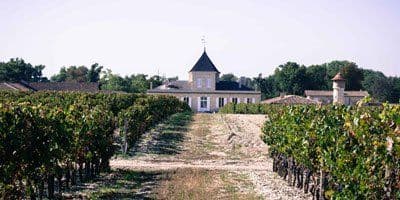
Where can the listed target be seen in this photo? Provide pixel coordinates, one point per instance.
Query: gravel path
(213, 142)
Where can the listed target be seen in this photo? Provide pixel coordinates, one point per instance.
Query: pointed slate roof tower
(204, 64)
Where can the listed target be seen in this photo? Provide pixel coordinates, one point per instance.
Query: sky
(164, 37)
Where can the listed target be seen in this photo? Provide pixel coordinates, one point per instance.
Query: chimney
(282, 94)
(151, 85)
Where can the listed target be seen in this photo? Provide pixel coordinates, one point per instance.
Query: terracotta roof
(290, 100)
(204, 64)
(338, 77)
(330, 93)
(66, 86)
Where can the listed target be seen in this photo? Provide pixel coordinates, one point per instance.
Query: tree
(267, 86)
(317, 78)
(93, 75)
(377, 84)
(156, 80)
(138, 83)
(114, 82)
(353, 76)
(17, 70)
(332, 68)
(394, 82)
(61, 76)
(78, 74)
(291, 78)
(229, 77)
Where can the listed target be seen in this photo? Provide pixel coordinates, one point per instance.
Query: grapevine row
(50, 141)
(334, 152)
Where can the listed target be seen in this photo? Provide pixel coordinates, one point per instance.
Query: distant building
(8, 86)
(290, 100)
(204, 92)
(66, 86)
(338, 95)
(50, 86)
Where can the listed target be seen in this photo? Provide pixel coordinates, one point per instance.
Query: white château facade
(204, 92)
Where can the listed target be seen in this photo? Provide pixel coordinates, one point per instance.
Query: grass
(118, 184)
(176, 184)
(204, 184)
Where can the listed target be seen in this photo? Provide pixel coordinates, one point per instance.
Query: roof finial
(203, 40)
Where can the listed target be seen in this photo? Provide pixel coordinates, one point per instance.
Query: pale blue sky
(243, 37)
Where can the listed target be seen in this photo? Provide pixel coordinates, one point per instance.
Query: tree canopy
(294, 79)
(228, 77)
(17, 70)
(290, 77)
(78, 74)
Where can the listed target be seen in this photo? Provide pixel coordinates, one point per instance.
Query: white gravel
(237, 147)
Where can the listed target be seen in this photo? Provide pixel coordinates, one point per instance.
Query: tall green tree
(61, 76)
(156, 80)
(394, 82)
(228, 77)
(291, 78)
(114, 82)
(16, 70)
(138, 83)
(317, 78)
(353, 76)
(377, 85)
(78, 74)
(267, 86)
(93, 74)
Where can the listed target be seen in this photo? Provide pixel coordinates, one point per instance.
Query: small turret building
(338, 95)
(204, 92)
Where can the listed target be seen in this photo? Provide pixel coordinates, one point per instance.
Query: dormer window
(199, 83)
(208, 83)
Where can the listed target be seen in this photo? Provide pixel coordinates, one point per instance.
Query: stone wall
(348, 100)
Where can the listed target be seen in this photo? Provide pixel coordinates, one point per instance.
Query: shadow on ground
(119, 184)
(166, 138)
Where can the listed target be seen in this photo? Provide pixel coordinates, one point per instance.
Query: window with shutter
(234, 100)
(248, 100)
(221, 102)
(186, 100)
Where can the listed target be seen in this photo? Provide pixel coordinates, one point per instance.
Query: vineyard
(334, 152)
(50, 141)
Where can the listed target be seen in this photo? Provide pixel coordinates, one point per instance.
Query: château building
(204, 92)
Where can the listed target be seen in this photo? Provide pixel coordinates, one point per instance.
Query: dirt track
(213, 142)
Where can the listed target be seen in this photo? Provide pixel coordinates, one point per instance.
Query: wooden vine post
(125, 137)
